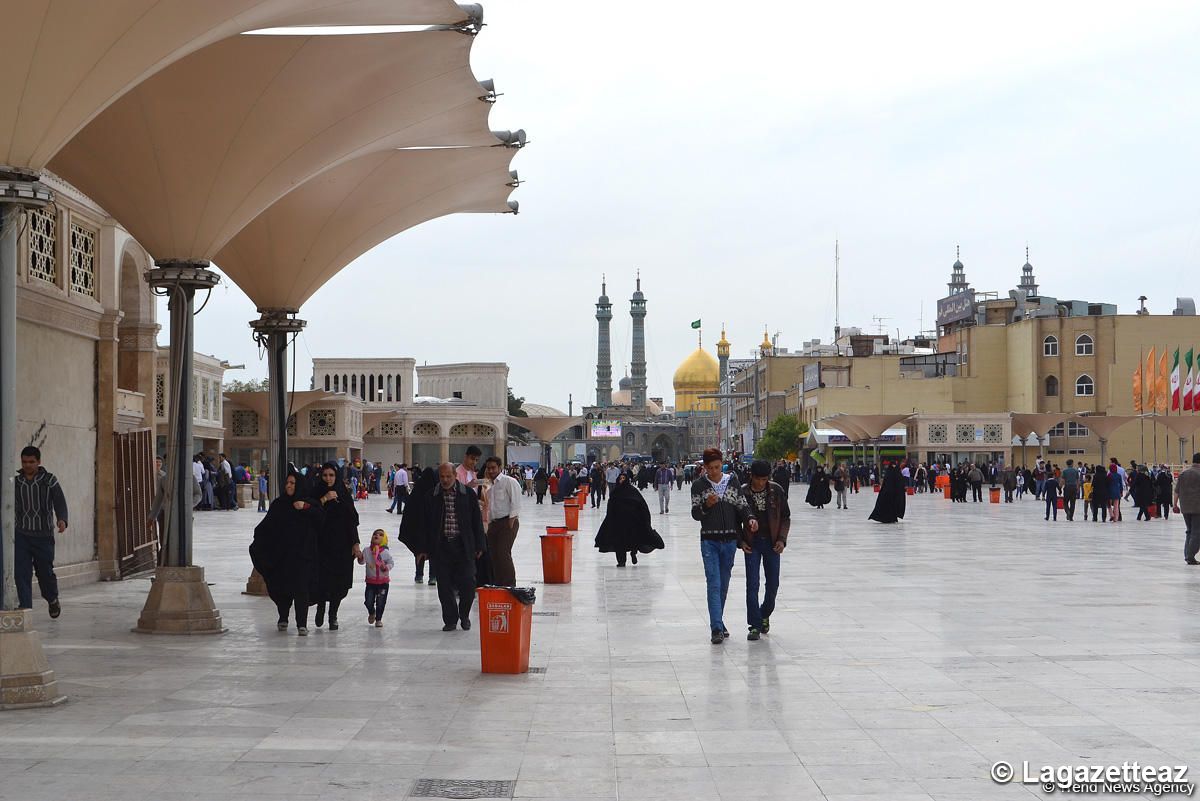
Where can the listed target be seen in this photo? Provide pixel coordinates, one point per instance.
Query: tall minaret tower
(637, 368)
(1028, 282)
(603, 348)
(723, 356)
(958, 278)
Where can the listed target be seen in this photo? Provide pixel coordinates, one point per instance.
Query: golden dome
(766, 343)
(698, 371)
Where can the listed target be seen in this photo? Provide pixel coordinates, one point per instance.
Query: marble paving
(902, 662)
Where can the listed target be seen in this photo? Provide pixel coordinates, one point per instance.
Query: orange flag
(1151, 384)
(1162, 395)
(1137, 389)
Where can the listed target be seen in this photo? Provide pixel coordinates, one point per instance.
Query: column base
(26, 679)
(255, 585)
(179, 603)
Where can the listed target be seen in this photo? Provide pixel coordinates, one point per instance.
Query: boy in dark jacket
(41, 509)
(763, 539)
(722, 511)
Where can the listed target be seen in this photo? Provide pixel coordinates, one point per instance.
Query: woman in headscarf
(626, 527)
(284, 551)
(889, 506)
(818, 491)
(1142, 487)
(540, 484)
(337, 546)
(412, 525)
(1164, 483)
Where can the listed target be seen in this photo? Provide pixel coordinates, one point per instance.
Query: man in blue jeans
(722, 511)
(41, 510)
(764, 539)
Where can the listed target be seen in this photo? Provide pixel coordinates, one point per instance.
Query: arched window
(1085, 386)
(389, 388)
(362, 387)
(371, 397)
(1084, 346)
(336, 384)
(326, 383)
(1050, 346)
(1051, 387)
(354, 384)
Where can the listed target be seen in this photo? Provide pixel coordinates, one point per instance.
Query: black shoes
(725, 634)
(281, 625)
(753, 635)
(320, 618)
(633, 556)
(717, 637)
(466, 624)
(333, 624)
(419, 579)
(448, 627)
(55, 608)
(1192, 562)
(765, 627)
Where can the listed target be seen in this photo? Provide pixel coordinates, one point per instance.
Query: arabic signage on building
(956, 307)
(812, 377)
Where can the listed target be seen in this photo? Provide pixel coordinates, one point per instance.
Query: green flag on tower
(695, 324)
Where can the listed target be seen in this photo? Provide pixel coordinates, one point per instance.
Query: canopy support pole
(179, 601)
(274, 330)
(26, 679)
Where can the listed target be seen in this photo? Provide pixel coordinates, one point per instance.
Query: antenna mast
(837, 296)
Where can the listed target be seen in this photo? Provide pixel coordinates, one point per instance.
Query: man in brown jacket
(1187, 503)
(763, 539)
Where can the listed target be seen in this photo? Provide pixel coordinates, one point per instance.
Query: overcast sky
(722, 148)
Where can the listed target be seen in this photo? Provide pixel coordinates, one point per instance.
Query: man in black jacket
(41, 509)
(763, 540)
(454, 539)
(722, 511)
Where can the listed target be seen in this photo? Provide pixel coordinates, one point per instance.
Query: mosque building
(629, 422)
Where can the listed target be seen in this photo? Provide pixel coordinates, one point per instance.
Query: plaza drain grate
(537, 670)
(461, 788)
(547, 614)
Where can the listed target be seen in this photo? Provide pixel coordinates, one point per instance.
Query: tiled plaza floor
(903, 661)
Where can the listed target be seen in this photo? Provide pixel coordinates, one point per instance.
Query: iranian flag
(1188, 382)
(1175, 382)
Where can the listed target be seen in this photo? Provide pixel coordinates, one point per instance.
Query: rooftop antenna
(879, 322)
(837, 297)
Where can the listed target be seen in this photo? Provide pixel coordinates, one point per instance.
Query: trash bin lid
(526, 595)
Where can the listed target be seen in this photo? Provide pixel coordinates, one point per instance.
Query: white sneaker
(379, 623)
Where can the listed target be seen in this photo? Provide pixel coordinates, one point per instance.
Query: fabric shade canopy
(259, 402)
(290, 250)
(1025, 424)
(841, 423)
(1102, 425)
(191, 155)
(546, 428)
(1184, 426)
(66, 60)
(861, 427)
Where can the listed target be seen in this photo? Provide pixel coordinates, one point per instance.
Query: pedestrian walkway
(902, 662)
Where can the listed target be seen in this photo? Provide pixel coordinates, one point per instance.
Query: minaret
(723, 356)
(603, 348)
(637, 372)
(1028, 282)
(958, 279)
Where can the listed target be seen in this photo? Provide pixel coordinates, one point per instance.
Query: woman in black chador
(889, 506)
(284, 551)
(626, 527)
(337, 545)
(818, 490)
(412, 525)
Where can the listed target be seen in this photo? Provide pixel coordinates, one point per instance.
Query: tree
(516, 432)
(782, 437)
(253, 385)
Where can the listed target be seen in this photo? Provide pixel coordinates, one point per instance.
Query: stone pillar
(25, 675)
(179, 601)
(407, 452)
(444, 453)
(498, 448)
(106, 427)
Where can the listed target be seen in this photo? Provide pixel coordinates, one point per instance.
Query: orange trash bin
(994, 494)
(946, 491)
(571, 509)
(942, 480)
(556, 555)
(910, 490)
(876, 487)
(504, 629)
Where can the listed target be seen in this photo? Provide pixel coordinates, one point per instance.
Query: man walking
(41, 509)
(663, 479)
(763, 540)
(503, 504)
(455, 539)
(976, 479)
(1070, 488)
(399, 489)
(722, 511)
(599, 485)
(225, 482)
(1187, 503)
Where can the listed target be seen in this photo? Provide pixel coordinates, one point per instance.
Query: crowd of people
(462, 520)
